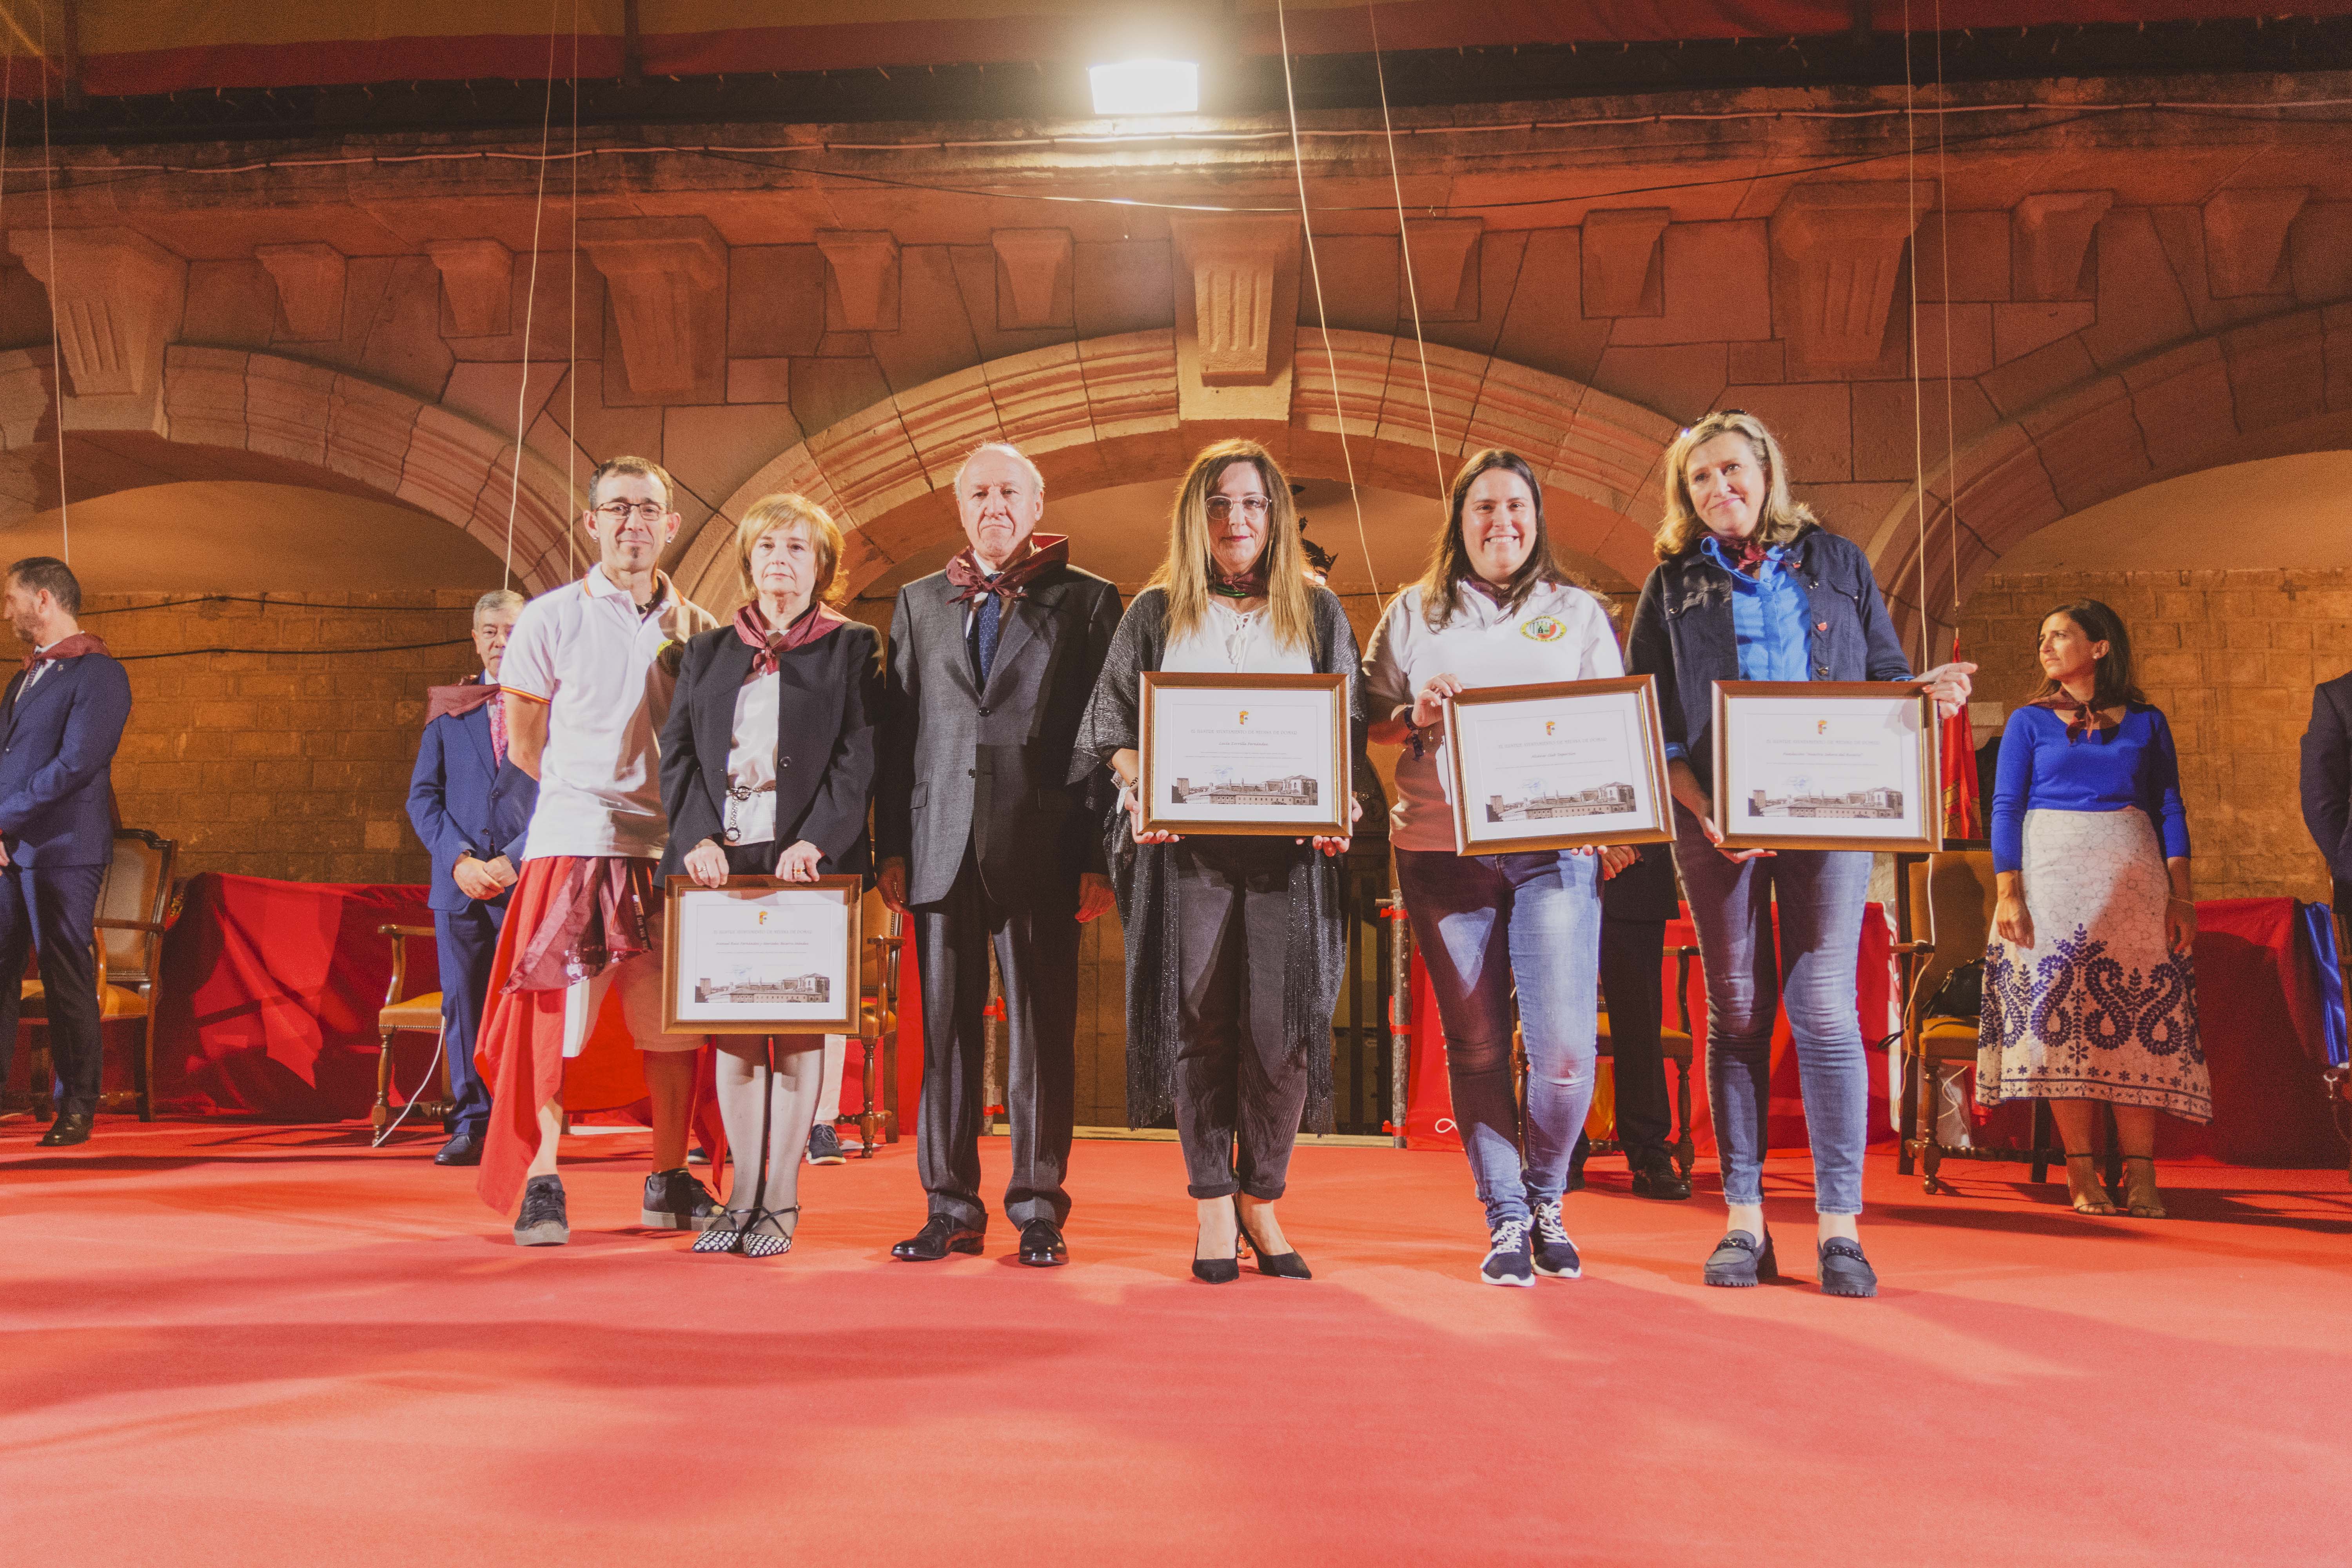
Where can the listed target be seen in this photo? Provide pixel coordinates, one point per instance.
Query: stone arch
(2268, 388)
(430, 457)
(1107, 411)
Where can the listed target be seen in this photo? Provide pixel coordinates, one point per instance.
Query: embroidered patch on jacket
(1545, 628)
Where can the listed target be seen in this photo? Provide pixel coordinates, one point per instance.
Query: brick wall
(292, 762)
(2230, 656)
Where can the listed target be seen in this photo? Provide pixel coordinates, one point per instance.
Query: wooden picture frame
(1293, 776)
(1867, 776)
(698, 920)
(1562, 736)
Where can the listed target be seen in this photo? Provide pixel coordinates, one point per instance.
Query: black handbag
(1961, 995)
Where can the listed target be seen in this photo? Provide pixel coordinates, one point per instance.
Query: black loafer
(1739, 1259)
(70, 1127)
(1846, 1271)
(939, 1237)
(1659, 1179)
(1041, 1245)
(464, 1149)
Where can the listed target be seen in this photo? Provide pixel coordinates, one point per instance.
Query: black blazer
(2328, 774)
(1646, 890)
(826, 716)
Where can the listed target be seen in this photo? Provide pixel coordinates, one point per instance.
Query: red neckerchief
(769, 645)
(2081, 718)
(1249, 584)
(1501, 596)
(73, 646)
(1045, 550)
(460, 700)
(1750, 554)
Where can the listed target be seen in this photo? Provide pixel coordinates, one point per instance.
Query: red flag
(1963, 816)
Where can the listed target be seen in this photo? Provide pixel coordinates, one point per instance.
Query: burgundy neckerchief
(73, 646)
(2081, 718)
(769, 645)
(1046, 550)
(1750, 556)
(460, 700)
(1501, 596)
(1249, 584)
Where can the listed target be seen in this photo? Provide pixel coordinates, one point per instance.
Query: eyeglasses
(647, 511)
(1252, 507)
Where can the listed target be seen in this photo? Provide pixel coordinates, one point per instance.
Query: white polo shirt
(1559, 634)
(591, 655)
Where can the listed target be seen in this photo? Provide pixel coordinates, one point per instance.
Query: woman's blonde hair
(1184, 574)
(784, 510)
(1780, 519)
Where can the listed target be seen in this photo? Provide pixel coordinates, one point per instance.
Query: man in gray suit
(981, 841)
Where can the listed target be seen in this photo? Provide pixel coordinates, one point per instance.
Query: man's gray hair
(496, 599)
(1009, 450)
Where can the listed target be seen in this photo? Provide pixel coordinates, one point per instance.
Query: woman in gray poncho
(1235, 946)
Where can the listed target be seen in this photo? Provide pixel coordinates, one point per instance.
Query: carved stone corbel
(666, 279)
(120, 297)
(1033, 278)
(476, 287)
(309, 288)
(1236, 283)
(2050, 233)
(864, 264)
(2245, 236)
(1622, 274)
(1837, 250)
(1444, 252)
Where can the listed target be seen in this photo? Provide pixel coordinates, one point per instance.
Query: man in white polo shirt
(587, 687)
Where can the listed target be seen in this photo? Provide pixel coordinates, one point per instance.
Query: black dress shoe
(1659, 1179)
(1041, 1245)
(1739, 1259)
(1279, 1265)
(464, 1149)
(1844, 1270)
(70, 1127)
(939, 1237)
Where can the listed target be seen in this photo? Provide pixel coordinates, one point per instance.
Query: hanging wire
(56, 351)
(1918, 415)
(1944, 238)
(571, 350)
(1404, 248)
(1322, 317)
(531, 293)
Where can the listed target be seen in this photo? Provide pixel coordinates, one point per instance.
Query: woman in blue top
(1749, 587)
(2088, 994)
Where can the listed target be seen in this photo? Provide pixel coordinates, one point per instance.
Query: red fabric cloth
(460, 697)
(595, 912)
(1963, 812)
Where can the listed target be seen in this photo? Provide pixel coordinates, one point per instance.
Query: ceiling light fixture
(1146, 87)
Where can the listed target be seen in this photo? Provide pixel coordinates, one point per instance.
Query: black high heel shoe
(1278, 1265)
(1217, 1270)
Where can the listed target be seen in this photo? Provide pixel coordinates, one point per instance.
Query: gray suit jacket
(961, 767)
(2328, 774)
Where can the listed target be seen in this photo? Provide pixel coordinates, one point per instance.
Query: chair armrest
(398, 986)
(154, 926)
(403, 931)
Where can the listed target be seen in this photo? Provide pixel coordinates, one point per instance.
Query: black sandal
(738, 1230)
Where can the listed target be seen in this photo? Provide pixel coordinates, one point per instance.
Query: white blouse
(1559, 634)
(1230, 642)
(751, 762)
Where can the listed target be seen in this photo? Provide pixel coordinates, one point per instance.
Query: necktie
(984, 632)
(498, 707)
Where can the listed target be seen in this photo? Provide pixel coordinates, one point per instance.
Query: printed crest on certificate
(1246, 754)
(1826, 765)
(762, 956)
(1561, 765)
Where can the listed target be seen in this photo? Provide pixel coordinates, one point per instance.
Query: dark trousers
(1037, 956)
(465, 940)
(1632, 953)
(51, 908)
(1236, 1083)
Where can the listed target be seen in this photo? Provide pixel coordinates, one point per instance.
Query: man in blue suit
(471, 808)
(60, 720)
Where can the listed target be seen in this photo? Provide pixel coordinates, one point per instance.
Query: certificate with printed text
(1557, 766)
(1245, 753)
(761, 956)
(1826, 765)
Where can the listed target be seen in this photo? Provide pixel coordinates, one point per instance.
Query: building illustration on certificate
(1600, 800)
(1859, 805)
(1297, 789)
(801, 990)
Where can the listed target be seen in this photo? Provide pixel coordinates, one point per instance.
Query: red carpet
(262, 1346)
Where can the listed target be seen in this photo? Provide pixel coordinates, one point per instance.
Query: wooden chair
(1951, 895)
(401, 1014)
(1676, 1044)
(132, 900)
(877, 1021)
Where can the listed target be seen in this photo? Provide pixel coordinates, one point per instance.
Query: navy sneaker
(1555, 1254)
(543, 1221)
(1507, 1259)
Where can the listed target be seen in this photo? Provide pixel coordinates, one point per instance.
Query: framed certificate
(1245, 753)
(1826, 765)
(761, 956)
(1556, 766)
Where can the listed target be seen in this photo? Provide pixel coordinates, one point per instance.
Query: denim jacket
(1682, 633)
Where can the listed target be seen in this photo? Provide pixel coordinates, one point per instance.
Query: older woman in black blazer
(767, 765)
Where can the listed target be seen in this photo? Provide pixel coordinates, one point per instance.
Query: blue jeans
(1820, 894)
(1480, 923)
